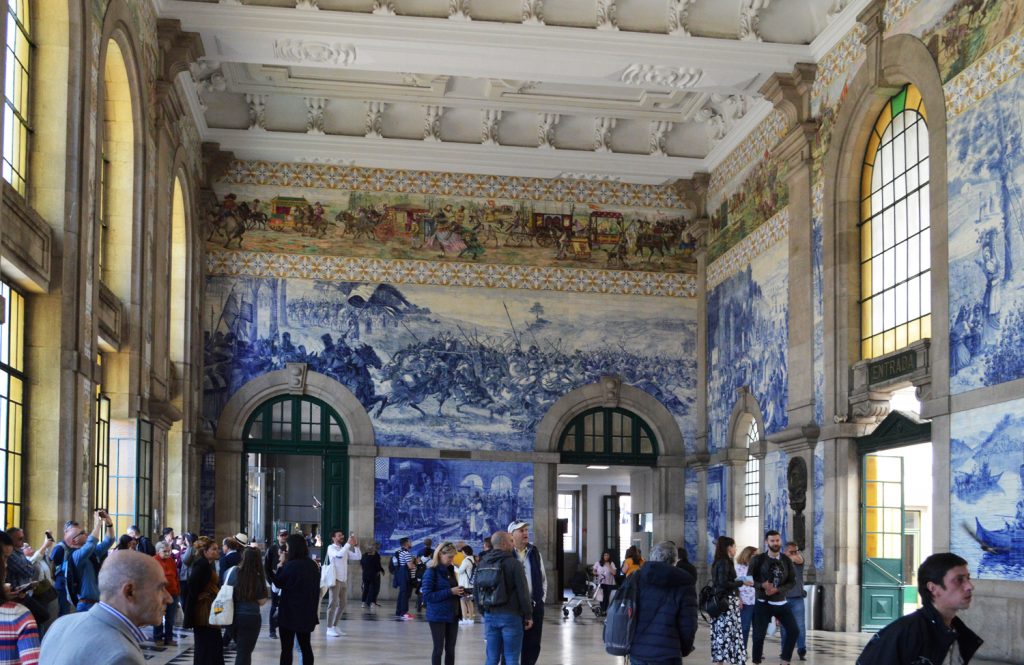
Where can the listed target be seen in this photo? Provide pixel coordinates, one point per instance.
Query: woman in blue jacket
(441, 594)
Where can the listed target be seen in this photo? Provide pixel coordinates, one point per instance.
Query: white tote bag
(326, 577)
(222, 612)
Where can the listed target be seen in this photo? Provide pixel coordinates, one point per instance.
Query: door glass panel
(280, 494)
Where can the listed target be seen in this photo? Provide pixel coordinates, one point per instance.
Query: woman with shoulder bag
(441, 594)
(299, 608)
(250, 593)
(203, 586)
(726, 632)
(747, 593)
(464, 573)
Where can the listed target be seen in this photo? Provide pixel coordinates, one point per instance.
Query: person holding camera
(82, 560)
(441, 594)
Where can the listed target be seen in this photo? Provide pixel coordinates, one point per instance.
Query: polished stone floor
(373, 639)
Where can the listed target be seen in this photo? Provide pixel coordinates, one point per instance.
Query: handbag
(326, 577)
(712, 602)
(222, 610)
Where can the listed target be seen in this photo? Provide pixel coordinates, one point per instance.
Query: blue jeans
(504, 635)
(796, 606)
(746, 618)
(671, 661)
(402, 606)
(165, 631)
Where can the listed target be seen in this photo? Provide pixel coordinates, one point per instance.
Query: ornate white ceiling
(637, 90)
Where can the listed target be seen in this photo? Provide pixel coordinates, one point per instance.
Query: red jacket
(171, 573)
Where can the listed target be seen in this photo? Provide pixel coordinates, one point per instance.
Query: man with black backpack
(502, 594)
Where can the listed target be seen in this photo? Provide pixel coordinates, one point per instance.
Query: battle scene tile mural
(987, 480)
(747, 343)
(464, 368)
(776, 493)
(448, 500)
(986, 241)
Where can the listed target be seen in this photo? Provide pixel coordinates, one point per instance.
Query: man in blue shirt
(81, 563)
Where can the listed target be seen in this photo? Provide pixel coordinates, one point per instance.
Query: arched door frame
(294, 380)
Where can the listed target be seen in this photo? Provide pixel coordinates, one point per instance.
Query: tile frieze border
(745, 251)
(428, 273)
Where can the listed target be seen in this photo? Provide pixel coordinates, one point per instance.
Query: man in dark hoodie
(934, 633)
(666, 610)
(774, 576)
(504, 624)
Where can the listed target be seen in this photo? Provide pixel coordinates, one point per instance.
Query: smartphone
(49, 536)
(25, 587)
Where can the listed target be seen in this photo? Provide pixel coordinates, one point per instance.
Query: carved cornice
(315, 52)
(216, 163)
(607, 15)
(750, 19)
(694, 191)
(679, 17)
(681, 78)
(791, 93)
(458, 10)
(432, 123)
(315, 115)
(178, 49)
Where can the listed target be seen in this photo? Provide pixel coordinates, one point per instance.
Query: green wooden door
(882, 524)
(335, 504)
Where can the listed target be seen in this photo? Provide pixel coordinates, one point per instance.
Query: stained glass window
(895, 229)
(16, 95)
(12, 404)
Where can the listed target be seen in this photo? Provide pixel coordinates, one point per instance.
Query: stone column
(544, 530)
(228, 506)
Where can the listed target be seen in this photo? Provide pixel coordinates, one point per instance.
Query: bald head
(501, 540)
(134, 584)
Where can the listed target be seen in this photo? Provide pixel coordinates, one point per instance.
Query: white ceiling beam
(452, 157)
(479, 49)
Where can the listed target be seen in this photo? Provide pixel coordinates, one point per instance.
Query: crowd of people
(107, 588)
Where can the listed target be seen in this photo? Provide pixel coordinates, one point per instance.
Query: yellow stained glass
(872, 546)
(914, 331)
(865, 320)
(866, 282)
(901, 336)
(926, 327)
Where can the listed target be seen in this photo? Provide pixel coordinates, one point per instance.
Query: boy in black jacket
(773, 576)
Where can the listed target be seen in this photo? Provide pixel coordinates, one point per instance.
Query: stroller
(584, 590)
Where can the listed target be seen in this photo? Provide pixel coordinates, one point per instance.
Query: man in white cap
(537, 581)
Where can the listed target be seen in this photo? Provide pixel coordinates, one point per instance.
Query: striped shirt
(133, 630)
(19, 636)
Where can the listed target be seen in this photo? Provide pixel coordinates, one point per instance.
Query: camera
(49, 536)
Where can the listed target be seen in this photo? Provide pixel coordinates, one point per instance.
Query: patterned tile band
(764, 137)
(355, 178)
(896, 10)
(986, 74)
(748, 249)
(335, 268)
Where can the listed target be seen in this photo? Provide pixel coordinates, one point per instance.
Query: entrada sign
(891, 368)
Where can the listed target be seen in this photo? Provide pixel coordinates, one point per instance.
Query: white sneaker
(332, 632)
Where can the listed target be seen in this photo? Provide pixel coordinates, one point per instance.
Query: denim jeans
(746, 618)
(763, 613)
(247, 631)
(671, 661)
(796, 606)
(164, 632)
(402, 605)
(504, 635)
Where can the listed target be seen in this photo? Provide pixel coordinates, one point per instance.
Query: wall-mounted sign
(887, 369)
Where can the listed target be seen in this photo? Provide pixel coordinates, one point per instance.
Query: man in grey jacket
(133, 593)
(504, 623)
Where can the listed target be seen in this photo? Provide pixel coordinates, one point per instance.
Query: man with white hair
(666, 610)
(133, 593)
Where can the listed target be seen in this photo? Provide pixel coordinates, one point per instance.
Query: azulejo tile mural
(476, 369)
(357, 217)
(986, 241)
(691, 498)
(717, 507)
(819, 505)
(958, 32)
(976, 82)
(987, 481)
(340, 268)
(776, 493)
(747, 342)
(448, 500)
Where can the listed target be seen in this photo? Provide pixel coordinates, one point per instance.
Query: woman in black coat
(202, 588)
(372, 570)
(299, 608)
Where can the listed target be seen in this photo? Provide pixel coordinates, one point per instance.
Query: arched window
(617, 435)
(12, 403)
(752, 474)
(305, 422)
(895, 230)
(116, 198)
(16, 95)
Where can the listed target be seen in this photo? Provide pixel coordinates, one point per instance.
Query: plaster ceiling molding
(432, 124)
(750, 19)
(308, 5)
(299, 50)
(384, 7)
(236, 3)
(603, 134)
(662, 75)
(374, 120)
(458, 10)
(659, 132)
(489, 131)
(733, 107)
(714, 123)
(257, 107)
(318, 159)
(546, 130)
(607, 15)
(836, 9)
(589, 177)
(207, 77)
(679, 17)
(315, 115)
(533, 12)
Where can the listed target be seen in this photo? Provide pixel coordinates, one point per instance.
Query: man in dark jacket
(271, 562)
(933, 634)
(666, 610)
(504, 624)
(774, 576)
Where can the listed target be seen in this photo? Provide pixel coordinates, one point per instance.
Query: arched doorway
(295, 458)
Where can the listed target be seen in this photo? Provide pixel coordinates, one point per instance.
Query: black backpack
(489, 585)
(712, 604)
(620, 622)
